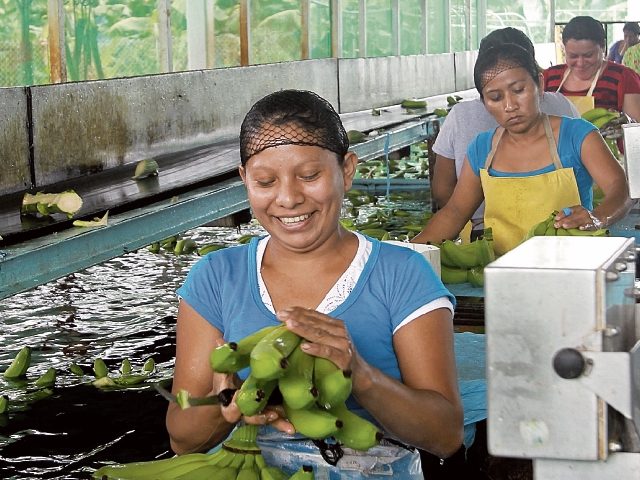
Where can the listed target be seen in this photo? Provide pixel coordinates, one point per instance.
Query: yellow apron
(582, 103)
(514, 204)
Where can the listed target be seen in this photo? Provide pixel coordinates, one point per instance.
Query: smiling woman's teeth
(290, 220)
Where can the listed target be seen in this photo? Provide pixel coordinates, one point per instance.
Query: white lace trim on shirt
(345, 284)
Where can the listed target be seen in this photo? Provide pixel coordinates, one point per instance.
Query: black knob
(569, 363)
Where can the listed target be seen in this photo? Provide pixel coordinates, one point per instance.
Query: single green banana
(453, 275)
(356, 432)
(413, 103)
(475, 276)
(20, 364)
(296, 385)
(356, 136)
(149, 366)
(334, 385)
(249, 470)
(464, 256)
(254, 393)
(211, 247)
(154, 247)
(76, 369)
(48, 379)
(305, 472)
(484, 251)
(4, 404)
(268, 359)
(184, 246)
(230, 472)
(130, 379)
(100, 368)
(600, 121)
(576, 232)
(273, 473)
(234, 356)
(594, 113)
(313, 422)
(125, 368)
(243, 239)
(153, 467)
(440, 112)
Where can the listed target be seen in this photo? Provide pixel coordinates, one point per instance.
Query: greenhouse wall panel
(382, 81)
(86, 127)
(14, 154)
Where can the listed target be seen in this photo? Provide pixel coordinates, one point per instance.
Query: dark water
(122, 309)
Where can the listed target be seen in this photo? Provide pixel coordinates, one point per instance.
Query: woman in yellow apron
(531, 164)
(587, 78)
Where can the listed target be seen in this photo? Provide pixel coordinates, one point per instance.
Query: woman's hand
(578, 217)
(273, 415)
(327, 337)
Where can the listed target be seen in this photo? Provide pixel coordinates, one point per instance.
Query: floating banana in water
(20, 364)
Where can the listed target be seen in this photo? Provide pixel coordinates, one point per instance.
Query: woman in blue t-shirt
(531, 165)
(354, 300)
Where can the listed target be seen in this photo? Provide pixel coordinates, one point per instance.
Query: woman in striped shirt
(588, 73)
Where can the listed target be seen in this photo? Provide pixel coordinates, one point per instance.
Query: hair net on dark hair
(584, 28)
(506, 35)
(632, 27)
(496, 60)
(292, 117)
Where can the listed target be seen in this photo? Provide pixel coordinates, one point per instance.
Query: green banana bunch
(378, 233)
(20, 364)
(546, 228)
(356, 432)
(475, 276)
(296, 385)
(235, 356)
(540, 228)
(254, 393)
(313, 422)
(453, 275)
(333, 385)
(462, 256)
(268, 359)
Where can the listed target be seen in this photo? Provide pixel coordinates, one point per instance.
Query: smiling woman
(587, 78)
(376, 311)
(531, 165)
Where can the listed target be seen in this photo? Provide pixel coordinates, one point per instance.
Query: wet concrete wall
(367, 83)
(86, 127)
(15, 173)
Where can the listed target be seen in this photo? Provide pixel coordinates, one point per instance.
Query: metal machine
(563, 352)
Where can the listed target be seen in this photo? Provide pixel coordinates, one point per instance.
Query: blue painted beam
(35, 262)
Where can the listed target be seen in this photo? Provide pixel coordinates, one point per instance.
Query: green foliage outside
(119, 38)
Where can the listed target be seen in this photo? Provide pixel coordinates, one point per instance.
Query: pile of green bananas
(546, 228)
(313, 389)
(239, 458)
(414, 166)
(126, 377)
(396, 224)
(180, 246)
(461, 263)
(608, 123)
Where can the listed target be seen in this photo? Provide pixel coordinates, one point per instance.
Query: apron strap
(553, 148)
(550, 139)
(593, 84)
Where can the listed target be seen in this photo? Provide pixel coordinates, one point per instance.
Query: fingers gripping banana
(356, 432)
(268, 359)
(234, 356)
(253, 394)
(313, 422)
(296, 385)
(334, 385)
